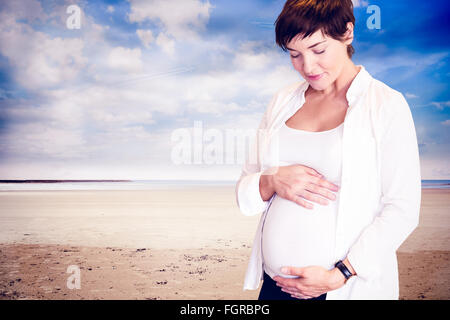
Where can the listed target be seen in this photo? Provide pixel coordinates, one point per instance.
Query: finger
(304, 291)
(300, 201)
(313, 197)
(313, 172)
(312, 294)
(286, 282)
(322, 182)
(292, 290)
(317, 189)
(292, 271)
(300, 296)
(289, 291)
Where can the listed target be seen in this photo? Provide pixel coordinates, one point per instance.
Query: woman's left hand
(312, 281)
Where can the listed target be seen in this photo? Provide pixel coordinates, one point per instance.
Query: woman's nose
(308, 65)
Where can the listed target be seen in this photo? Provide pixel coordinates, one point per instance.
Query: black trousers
(270, 291)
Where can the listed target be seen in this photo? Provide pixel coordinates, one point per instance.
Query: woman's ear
(348, 35)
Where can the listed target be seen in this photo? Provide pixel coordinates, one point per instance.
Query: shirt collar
(359, 85)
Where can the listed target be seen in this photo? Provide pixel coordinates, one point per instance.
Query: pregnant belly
(295, 236)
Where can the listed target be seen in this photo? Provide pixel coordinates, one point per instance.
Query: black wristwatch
(341, 266)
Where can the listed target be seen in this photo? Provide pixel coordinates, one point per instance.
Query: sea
(110, 185)
(144, 184)
(435, 184)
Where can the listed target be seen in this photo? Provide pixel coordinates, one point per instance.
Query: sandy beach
(190, 243)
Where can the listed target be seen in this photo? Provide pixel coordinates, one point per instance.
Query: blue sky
(105, 100)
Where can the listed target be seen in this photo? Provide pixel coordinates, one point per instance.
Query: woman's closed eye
(316, 52)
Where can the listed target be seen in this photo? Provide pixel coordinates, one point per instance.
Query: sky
(156, 89)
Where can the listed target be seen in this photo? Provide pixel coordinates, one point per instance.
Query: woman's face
(319, 58)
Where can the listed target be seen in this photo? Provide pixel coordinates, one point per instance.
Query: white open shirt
(380, 188)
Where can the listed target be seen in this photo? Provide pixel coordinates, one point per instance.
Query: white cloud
(29, 10)
(446, 122)
(182, 19)
(413, 62)
(146, 36)
(360, 3)
(247, 59)
(167, 44)
(38, 140)
(110, 9)
(120, 118)
(411, 95)
(441, 105)
(38, 59)
(125, 59)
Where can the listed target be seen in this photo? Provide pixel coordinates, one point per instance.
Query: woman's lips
(315, 77)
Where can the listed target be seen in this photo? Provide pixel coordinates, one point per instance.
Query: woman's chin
(318, 86)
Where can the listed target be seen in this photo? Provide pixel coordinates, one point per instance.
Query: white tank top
(292, 234)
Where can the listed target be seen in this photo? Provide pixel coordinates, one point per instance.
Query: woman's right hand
(299, 183)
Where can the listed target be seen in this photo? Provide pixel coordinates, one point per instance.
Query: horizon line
(131, 180)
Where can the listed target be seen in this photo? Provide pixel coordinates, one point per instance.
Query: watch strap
(343, 268)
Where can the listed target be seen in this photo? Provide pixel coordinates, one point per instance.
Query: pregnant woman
(337, 175)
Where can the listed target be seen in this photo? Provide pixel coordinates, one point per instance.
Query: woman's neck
(339, 87)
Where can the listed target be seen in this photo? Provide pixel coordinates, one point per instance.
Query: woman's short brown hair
(308, 16)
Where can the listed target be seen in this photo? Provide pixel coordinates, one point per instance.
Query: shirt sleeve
(401, 193)
(248, 197)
